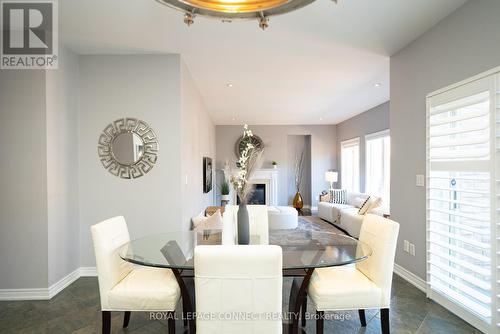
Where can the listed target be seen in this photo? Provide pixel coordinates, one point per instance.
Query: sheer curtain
(349, 163)
(378, 166)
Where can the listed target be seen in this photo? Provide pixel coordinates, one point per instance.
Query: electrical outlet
(412, 249)
(406, 246)
(420, 180)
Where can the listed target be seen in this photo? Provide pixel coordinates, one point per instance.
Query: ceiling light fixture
(227, 10)
(229, 85)
(378, 84)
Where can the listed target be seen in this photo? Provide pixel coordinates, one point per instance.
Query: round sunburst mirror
(128, 148)
(256, 141)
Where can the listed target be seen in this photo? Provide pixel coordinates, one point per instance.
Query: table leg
(297, 295)
(187, 298)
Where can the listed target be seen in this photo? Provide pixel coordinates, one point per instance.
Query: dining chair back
(108, 236)
(238, 289)
(229, 227)
(381, 234)
(258, 224)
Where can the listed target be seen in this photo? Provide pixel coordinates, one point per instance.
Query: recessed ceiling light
(378, 84)
(233, 119)
(229, 85)
(321, 118)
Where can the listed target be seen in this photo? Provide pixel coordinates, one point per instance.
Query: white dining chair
(125, 287)
(367, 285)
(259, 224)
(238, 289)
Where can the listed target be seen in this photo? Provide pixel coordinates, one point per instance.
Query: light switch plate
(420, 180)
(406, 246)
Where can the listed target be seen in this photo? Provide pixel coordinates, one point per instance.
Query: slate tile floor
(76, 310)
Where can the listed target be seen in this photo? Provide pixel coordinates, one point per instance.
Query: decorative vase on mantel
(298, 202)
(243, 224)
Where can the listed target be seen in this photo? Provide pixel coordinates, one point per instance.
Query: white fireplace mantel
(266, 176)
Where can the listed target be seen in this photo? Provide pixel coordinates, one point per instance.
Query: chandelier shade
(236, 9)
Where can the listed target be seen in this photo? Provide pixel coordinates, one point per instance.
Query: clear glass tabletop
(302, 249)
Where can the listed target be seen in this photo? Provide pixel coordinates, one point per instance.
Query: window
(349, 163)
(463, 183)
(378, 166)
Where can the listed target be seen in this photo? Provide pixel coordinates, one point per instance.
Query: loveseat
(345, 216)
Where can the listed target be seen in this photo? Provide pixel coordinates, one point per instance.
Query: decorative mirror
(128, 148)
(240, 144)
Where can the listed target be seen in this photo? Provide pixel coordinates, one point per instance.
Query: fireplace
(258, 196)
(266, 192)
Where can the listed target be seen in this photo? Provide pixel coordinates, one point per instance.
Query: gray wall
(323, 152)
(462, 45)
(159, 90)
(39, 197)
(142, 86)
(57, 187)
(62, 167)
(198, 141)
(23, 180)
(370, 121)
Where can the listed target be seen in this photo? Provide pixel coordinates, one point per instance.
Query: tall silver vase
(243, 225)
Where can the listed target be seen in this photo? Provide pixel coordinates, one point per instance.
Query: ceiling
(317, 65)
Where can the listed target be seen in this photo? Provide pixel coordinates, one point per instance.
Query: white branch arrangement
(247, 164)
(299, 168)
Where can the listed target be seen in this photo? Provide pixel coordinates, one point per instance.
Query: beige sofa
(344, 216)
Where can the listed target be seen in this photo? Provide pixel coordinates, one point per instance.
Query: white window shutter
(463, 200)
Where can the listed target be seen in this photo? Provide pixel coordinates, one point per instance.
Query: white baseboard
(51, 291)
(410, 278)
(88, 272)
(60, 285)
(24, 294)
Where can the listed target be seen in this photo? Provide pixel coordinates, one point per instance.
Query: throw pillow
(358, 202)
(377, 201)
(213, 222)
(364, 208)
(339, 196)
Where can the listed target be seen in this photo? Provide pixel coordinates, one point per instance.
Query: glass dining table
(303, 251)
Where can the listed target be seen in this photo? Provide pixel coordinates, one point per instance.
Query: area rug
(314, 223)
(307, 227)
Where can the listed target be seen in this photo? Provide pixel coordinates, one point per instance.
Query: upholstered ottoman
(282, 217)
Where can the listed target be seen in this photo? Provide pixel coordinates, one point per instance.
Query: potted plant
(224, 191)
(275, 164)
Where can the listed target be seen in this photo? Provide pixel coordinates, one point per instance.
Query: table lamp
(331, 176)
